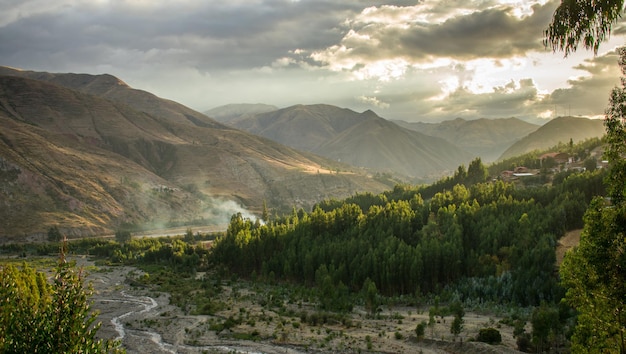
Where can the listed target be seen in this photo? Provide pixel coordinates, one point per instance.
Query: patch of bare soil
(568, 241)
(145, 322)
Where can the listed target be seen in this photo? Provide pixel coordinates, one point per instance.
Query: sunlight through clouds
(428, 60)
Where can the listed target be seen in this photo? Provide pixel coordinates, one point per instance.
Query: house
(558, 157)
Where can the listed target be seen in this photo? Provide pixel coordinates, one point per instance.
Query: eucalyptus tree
(595, 272)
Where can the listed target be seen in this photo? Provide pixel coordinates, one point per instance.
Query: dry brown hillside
(87, 164)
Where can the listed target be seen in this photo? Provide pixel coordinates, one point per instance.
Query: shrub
(489, 335)
(420, 329)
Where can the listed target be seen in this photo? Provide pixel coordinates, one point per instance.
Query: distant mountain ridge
(88, 164)
(487, 138)
(228, 113)
(560, 129)
(360, 139)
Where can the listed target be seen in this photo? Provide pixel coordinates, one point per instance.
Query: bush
(489, 335)
(420, 329)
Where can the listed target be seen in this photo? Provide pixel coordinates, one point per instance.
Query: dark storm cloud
(208, 35)
(494, 33)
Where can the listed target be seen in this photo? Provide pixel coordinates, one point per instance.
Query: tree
(595, 272)
(582, 20)
(420, 329)
(476, 172)
(265, 216)
(545, 323)
(122, 236)
(371, 296)
(41, 317)
(457, 323)
(54, 235)
(615, 123)
(590, 164)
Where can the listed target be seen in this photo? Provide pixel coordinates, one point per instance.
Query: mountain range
(416, 150)
(90, 154)
(87, 153)
(360, 139)
(487, 138)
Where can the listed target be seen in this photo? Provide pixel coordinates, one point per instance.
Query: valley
(145, 321)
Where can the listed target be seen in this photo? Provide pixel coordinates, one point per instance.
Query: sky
(428, 60)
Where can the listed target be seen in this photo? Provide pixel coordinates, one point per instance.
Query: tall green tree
(457, 323)
(595, 272)
(41, 317)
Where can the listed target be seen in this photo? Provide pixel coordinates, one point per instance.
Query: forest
(487, 241)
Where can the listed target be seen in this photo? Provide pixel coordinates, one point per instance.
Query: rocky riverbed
(144, 321)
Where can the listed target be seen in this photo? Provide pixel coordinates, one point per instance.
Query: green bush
(489, 335)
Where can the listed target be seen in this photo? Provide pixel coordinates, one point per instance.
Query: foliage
(41, 317)
(582, 20)
(595, 272)
(371, 296)
(615, 123)
(456, 308)
(420, 330)
(54, 235)
(122, 236)
(546, 326)
(495, 241)
(489, 335)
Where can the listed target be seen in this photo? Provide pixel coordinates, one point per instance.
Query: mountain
(383, 145)
(88, 164)
(360, 139)
(557, 130)
(487, 138)
(227, 114)
(111, 88)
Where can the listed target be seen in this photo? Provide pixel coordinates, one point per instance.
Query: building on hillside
(558, 157)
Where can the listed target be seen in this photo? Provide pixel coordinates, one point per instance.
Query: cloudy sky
(427, 60)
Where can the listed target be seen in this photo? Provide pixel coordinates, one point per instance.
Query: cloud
(416, 60)
(588, 94)
(370, 100)
(429, 30)
(207, 35)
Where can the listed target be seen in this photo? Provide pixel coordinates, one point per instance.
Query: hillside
(88, 164)
(487, 138)
(113, 89)
(360, 139)
(229, 113)
(382, 145)
(558, 130)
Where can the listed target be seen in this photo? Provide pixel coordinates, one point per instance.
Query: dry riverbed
(145, 322)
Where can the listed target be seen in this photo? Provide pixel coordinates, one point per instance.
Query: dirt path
(567, 242)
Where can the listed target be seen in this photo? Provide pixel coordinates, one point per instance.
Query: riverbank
(145, 322)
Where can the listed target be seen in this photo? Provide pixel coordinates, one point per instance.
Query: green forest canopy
(493, 241)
